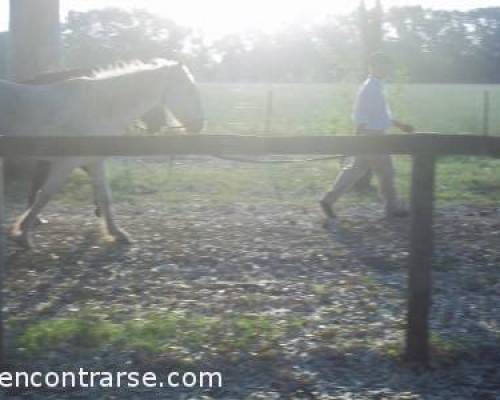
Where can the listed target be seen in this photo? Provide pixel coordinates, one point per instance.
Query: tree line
(427, 46)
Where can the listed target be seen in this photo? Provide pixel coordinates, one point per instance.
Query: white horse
(105, 104)
(154, 120)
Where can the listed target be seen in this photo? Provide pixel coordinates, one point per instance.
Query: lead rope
(269, 162)
(294, 161)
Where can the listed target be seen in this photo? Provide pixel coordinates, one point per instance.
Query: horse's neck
(81, 106)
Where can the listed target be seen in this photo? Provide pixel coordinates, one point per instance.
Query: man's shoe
(327, 209)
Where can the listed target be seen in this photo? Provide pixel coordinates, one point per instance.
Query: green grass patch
(171, 333)
(447, 351)
(81, 333)
(444, 351)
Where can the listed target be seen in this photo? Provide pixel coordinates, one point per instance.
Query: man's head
(380, 65)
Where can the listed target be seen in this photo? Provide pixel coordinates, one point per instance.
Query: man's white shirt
(371, 109)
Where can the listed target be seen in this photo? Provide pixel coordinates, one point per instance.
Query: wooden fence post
(3, 257)
(269, 110)
(486, 113)
(421, 249)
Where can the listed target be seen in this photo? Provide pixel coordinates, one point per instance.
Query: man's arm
(407, 128)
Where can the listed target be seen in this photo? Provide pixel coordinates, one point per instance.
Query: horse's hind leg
(59, 173)
(102, 194)
(42, 173)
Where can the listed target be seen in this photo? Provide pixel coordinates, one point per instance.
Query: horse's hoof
(121, 237)
(21, 239)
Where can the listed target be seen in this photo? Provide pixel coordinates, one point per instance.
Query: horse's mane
(122, 68)
(98, 72)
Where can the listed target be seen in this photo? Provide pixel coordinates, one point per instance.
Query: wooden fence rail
(128, 146)
(423, 148)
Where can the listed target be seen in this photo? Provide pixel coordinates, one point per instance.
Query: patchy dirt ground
(342, 286)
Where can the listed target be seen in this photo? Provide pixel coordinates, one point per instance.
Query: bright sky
(217, 17)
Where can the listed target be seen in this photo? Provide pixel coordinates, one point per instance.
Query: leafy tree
(106, 35)
(429, 45)
(447, 46)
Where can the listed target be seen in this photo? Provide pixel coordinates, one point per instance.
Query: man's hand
(407, 128)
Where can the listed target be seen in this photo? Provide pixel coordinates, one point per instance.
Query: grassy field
(325, 109)
(461, 180)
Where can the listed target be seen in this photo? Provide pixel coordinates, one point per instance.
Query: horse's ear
(179, 64)
(162, 62)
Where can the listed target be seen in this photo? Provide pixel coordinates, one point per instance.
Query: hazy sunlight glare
(219, 17)
(225, 16)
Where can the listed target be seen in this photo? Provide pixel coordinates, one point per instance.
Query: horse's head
(183, 99)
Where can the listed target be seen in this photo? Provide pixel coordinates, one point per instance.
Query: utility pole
(364, 34)
(377, 27)
(371, 30)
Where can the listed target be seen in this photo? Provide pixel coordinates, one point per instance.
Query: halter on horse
(105, 103)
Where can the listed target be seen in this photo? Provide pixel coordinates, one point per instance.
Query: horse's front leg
(102, 194)
(59, 173)
(97, 211)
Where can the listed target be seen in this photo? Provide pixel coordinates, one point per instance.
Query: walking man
(372, 116)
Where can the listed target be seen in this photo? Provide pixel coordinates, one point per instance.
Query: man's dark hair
(380, 59)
